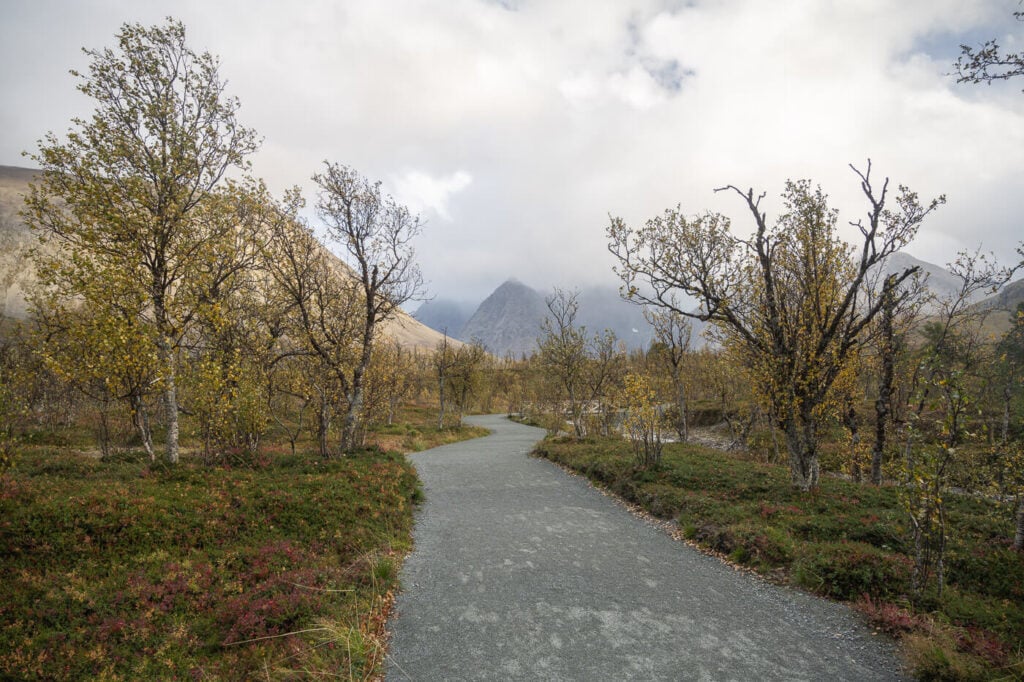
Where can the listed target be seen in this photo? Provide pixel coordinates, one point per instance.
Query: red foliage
(767, 511)
(177, 585)
(983, 643)
(891, 618)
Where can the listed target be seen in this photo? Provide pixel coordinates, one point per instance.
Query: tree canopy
(791, 298)
(129, 200)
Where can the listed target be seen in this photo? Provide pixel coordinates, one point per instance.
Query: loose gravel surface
(524, 572)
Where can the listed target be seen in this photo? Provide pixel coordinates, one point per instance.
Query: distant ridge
(445, 315)
(939, 280)
(509, 320)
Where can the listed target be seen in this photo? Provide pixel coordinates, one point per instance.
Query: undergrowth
(125, 570)
(118, 568)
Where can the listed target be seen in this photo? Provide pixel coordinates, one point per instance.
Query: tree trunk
(1004, 439)
(919, 575)
(850, 421)
(141, 421)
(350, 427)
(440, 400)
(881, 415)
(103, 430)
(801, 441)
(885, 389)
(577, 415)
(682, 426)
(1018, 537)
(1004, 436)
(775, 438)
(940, 550)
(322, 427)
(170, 399)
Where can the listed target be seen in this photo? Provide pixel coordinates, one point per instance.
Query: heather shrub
(846, 570)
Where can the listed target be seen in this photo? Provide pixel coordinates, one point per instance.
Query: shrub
(847, 570)
(766, 545)
(999, 615)
(890, 618)
(664, 501)
(997, 573)
(713, 537)
(748, 543)
(838, 527)
(937, 660)
(644, 423)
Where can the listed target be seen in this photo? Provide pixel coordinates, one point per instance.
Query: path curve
(523, 572)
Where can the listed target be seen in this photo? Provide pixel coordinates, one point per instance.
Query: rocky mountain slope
(14, 240)
(939, 280)
(508, 321)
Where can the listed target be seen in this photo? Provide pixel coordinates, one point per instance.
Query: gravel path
(523, 572)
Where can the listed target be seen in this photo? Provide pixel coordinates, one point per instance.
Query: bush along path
(522, 571)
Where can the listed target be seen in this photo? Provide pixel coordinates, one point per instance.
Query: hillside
(14, 239)
(944, 284)
(1001, 308)
(939, 280)
(1006, 300)
(16, 271)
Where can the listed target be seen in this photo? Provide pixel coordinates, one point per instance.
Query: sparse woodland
(188, 328)
(168, 291)
(199, 419)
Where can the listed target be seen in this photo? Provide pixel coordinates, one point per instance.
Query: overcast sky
(515, 127)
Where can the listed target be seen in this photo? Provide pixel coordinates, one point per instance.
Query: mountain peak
(512, 283)
(508, 321)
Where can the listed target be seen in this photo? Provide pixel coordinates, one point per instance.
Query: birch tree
(127, 195)
(790, 299)
(672, 332)
(323, 308)
(375, 234)
(563, 352)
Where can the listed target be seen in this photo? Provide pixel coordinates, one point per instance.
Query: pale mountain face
(15, 238)
(508, 321)
(939, 280)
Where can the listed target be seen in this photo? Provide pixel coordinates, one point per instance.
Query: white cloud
(636, 88)
(421, 192)
(565, 111)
